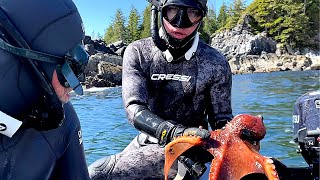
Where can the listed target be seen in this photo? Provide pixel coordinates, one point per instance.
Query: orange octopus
(235, 149)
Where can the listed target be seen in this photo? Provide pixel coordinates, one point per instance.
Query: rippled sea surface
(106, 130)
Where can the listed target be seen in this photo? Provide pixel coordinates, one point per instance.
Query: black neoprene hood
(52, 27)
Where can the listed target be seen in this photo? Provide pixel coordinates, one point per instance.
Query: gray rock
(87, 40)
(307, 62)
(112, 47)
(289, 49)
(90, 49)
(315, 67)
(118, 44)
(239, 41)
(121, 50)
(110, 72)
(101, 47)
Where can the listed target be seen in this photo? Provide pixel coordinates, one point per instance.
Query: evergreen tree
(209, 25)
(312, 10)
(133, 32)
(284, 20)
(146, 22)
(294, 27)
(264, 12)
(99, 36)
(222, 16)
(235, 11)
(119, 26)
(93, 35)
(109, 36)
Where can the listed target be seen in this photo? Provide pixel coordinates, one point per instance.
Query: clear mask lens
(182, 17)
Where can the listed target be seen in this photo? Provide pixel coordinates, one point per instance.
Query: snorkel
(155, 8)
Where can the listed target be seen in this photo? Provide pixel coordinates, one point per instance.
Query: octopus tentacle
(269, 168)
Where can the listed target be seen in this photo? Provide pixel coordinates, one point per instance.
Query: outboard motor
(306, 129)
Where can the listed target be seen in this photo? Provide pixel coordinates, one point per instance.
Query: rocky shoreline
(245, 52)
(250, 53)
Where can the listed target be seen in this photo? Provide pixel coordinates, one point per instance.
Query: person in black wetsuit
(172, 84)
(41, 58)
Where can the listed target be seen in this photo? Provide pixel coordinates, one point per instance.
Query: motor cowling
(306, 126)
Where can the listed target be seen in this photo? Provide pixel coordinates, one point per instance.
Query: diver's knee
(101, 168)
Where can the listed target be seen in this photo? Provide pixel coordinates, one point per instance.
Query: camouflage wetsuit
(186, 91)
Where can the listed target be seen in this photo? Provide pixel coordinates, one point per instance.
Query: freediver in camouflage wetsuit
(169, 91)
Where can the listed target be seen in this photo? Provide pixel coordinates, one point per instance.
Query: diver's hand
(168, 131)
(192, 131)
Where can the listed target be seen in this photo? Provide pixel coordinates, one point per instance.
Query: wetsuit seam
(69, 140)
(67, 5)
(49, 24)
(44, 137)
(5, 149)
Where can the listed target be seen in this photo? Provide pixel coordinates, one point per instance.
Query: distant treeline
(293, 22)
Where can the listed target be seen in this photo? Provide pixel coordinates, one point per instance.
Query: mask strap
(27, 53)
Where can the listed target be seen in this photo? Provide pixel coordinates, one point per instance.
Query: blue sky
(97, 14)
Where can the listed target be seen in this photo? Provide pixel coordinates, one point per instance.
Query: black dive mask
(69, 67)
(75, 63)
(181, 17)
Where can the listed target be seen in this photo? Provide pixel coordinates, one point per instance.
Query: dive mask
(75, 63)
(181, 16)
(69, 67)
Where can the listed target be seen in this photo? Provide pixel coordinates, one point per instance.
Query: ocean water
(106, 130)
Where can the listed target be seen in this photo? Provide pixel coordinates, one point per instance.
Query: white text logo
(175, 77)
(80, 136)
(295, 119)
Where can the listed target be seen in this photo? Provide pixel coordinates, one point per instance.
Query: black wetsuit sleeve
(71, 165)
(134, 83)
(219, 107)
